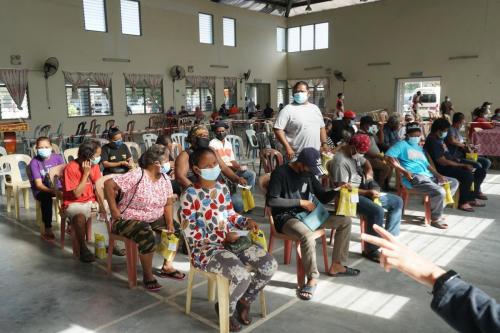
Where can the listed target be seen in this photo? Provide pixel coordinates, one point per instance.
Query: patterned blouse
(207, 215)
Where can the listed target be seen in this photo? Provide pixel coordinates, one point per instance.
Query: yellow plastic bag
(325, 158)
(168, 245)
(100, 246)
(248, 201)
(472, 156)
(377, 201)
(348, 202)
(448, 198)
(259, 238)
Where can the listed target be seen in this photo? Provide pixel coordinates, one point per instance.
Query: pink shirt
(148, 202)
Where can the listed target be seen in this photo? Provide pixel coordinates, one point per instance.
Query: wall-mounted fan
(340, 77)
(245, 76)
(50, 67)
(177, 73)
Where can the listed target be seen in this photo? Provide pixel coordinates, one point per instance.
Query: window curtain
(202, 82)
(103, 81)
(134, 80)
(314, 82)
(16, 81)
(76, 79)
(153, 82)
(231, 83)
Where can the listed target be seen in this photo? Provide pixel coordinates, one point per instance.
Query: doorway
(430, 99)
(260, 93)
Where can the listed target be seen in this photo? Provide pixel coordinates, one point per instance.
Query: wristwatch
(448, 276)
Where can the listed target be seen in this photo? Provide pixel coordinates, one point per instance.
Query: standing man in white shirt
(300, 124)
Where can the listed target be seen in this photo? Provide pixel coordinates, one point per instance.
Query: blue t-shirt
(412, 158)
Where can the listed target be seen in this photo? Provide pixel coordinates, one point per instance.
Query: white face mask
(373, 129)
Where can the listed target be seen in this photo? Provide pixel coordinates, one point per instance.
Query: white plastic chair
(135, 150)
(3, 152)
(15, 182)
(149, 139)
(179, 138)
(55, 149)
(176, 150)
(239, 149)
(70, 154)
(253, 143)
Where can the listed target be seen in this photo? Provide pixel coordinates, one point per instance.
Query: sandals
(477, 204)
(348, 272)
(86, 256)
(466, 209)
(481, 196)
(437, 224)
(242, 312)
(152, 285)
(373, 256)
(174, 275)
(308, 290)
(234, 326)
(48, 236)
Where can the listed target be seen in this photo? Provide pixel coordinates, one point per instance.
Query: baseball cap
(220, 123)
(349, 114)
(412, 127)
(368, 120)
(312, 158)
(361, 142)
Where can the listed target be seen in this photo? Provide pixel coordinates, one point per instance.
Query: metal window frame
(27, 102)
(140, 19)
(213, 35)
(234, 23)
(88, 85)
(105, 5)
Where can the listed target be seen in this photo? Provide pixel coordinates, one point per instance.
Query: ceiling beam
(288, 7)
(304, 3)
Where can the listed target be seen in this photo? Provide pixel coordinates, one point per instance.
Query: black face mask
(202, 142)
(221, 136)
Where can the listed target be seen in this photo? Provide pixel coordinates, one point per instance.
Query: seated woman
(451, 167)
(40, 182)
(458, 148)
(209, 224)
(479, 120)
(391, 131)
(145, 208)
(198, 138)
(116, 157)
(79, 178)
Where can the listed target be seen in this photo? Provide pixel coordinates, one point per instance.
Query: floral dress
(207, 215)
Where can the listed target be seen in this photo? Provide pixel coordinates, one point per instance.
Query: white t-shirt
(225, 150)
(302, 124)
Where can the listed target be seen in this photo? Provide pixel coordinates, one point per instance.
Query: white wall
(38, 29)
(413, 36)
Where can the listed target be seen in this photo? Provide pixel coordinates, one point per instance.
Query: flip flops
(348, 272)
(307, 289)
(152, 285)
(437, 224)
(174, 275)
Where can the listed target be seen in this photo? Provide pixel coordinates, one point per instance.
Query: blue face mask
(210, 174)
(443, 135)
(118, 143)
(414, 140)
(44, 152)
(96, 160)
(165, 168)
(300, 97)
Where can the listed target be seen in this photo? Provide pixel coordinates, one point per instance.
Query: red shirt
(72, 176)
(483, 123)
(340, 104)
(233, 110)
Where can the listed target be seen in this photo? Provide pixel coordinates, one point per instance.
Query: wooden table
(9, 130)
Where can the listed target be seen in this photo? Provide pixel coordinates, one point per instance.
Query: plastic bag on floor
(168, 245)
(100, 246)
(448, 198)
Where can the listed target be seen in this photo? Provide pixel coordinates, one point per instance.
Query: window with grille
(198, 98)
(229, 31)
(131, 17)
(8, 108)
(144, 100)
(90, 100)
(94, 15)
(205, 22)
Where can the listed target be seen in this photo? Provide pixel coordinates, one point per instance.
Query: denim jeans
(249, 176)
(374, 214)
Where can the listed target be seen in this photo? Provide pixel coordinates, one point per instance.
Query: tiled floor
(43, 289)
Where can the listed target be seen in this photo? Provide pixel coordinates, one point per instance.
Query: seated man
(391, 131)
(289, 193)
(376, 158)
(225, 150)
(408, 157)
(457, 148)
(343, 127)
(183, 113)
(451, 167)
(116, 157)
(79, 178)
(350, 168)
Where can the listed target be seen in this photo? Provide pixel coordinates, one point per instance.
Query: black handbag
(241, 244)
